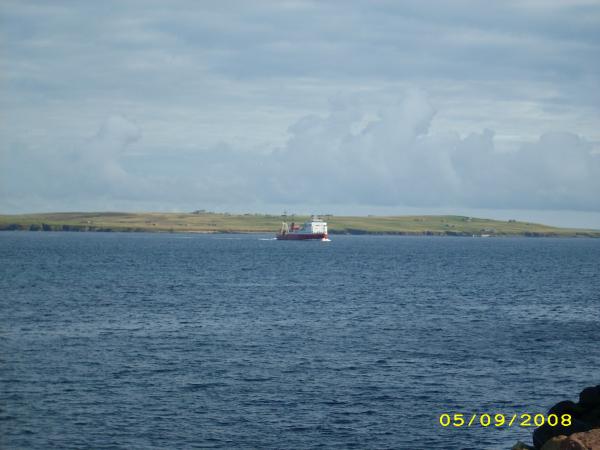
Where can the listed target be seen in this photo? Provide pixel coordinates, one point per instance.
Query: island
(211, 222)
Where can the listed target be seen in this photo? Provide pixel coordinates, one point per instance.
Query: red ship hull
(301, 236)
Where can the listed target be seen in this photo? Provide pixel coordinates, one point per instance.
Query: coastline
(210, 223)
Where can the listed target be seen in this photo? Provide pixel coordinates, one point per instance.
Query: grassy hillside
(230, 223)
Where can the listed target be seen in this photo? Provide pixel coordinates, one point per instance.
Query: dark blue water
(210, 341)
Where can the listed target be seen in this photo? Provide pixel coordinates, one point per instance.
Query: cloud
(353, 155)
(396, 160)
(98, 161)
(256, 78)
(91, 168)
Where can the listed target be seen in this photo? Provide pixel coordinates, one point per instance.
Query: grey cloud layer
(132, 48)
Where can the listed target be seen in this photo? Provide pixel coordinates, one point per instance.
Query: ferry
(313, 229)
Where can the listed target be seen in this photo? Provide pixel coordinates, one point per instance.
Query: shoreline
(224, 223)
(584, 235)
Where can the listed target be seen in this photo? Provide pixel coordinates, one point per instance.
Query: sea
(239, 341)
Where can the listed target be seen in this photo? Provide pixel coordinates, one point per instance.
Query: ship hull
(302, 237)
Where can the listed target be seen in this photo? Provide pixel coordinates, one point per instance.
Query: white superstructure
(315, 226)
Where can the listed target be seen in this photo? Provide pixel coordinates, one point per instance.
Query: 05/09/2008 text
(459, 420)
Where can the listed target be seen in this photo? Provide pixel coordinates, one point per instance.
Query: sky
(490, 109)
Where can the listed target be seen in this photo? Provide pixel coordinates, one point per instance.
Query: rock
(521, 446)
(592, 416)
(567, 407)
(554, 443)
(585, 416)
(590, 397)
(589, 440)
(544, 433)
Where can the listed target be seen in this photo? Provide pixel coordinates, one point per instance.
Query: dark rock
(592, 416)
(521, 446)
(590, 396)
(567, 407)
(585, 416)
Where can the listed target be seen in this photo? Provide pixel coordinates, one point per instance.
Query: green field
(250, 223)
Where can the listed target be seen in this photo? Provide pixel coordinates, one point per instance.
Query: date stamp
(459, 420)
